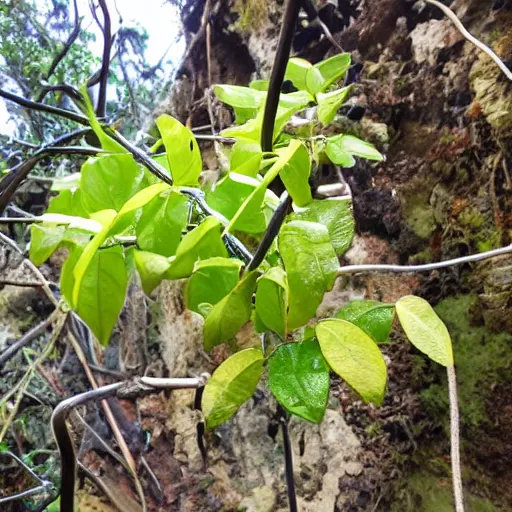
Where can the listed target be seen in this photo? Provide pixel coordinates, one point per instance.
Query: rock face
(442, 113)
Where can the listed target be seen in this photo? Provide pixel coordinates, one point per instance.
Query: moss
(418, 213)
(481, 359)
(426, 492)
(252, 14)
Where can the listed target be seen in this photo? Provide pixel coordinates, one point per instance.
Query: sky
(159, 18)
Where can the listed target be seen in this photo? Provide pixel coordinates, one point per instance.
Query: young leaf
(245, 100)
(44, 241)
(182, 151)
(295, 176)
(240, 97)
(259, 85)
(108, 181)
(253, 202)
(311, 265)
(231, 384)
(90, 225)
(325, 73)
(151, 268)
(102, 292)
(67, 279)
(355, 357)
(68, 202)
(336, 216)
(69, 182)
(201, 243)
(107, 142)
(109, 217)
(211, 281)
(272, 301)
(425, 330)
(245, 158)
(298, 376)
(296, 72)
(161, 223)
(142, 198)
(228, 197)
(374, 318)
(329, 103)
(341, 150)
(229, 315)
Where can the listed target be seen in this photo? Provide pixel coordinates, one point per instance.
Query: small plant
(116, 218)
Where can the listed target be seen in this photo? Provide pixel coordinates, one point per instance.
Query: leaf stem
(455, 439)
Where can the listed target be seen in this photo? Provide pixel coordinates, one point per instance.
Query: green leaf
(341, 150)
(151, 268)
(325, 73)
(102, 292)
(229, 315)
(296, 72)
(230, 194)
(295, 100)
(142, 198)
(238, 96)
(109, 217)
(91, 225)
(107, 142)
(253, 202)
(259, 85)
(311, 265)
(44, 242)
(336, 216)
(162, 222)
(231, 384)
(69, 182)
(374, 318)
(211, 281)
(298, 376)
(425, 330)
(201, 243)
(272, 301)
(109, 181)
(245, 158)
(330, 102)
(245, 100)
(67, 278)
(355, 357)
(182, 151)
(68, 202)
(295, 176)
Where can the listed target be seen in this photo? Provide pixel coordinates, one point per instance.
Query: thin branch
(288, 24)
(455, 440)
(122, 390)
(472, 39)
(21, 386)
(352, 269)
(42, 107)
(69, 90)
(288, 461)
(30, 335)
(65, 49)
(105, 61)
(272, 231)
(313, 17)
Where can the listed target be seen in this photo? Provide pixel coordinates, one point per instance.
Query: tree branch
(65, 49)
(41, 107)
(105, 61)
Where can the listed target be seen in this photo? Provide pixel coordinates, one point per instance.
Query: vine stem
(472, 39)
(455, 439)
(352, 269)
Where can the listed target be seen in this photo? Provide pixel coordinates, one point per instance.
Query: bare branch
(472, 39)
(105, 62)
(65, 49)
(354, 269)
